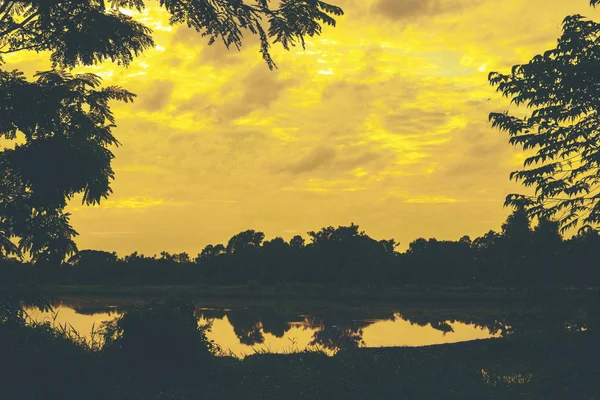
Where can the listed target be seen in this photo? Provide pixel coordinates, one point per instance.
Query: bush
(161, 343)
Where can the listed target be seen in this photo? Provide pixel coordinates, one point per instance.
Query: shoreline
(312, 292)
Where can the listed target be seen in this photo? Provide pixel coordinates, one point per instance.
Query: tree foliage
(518, 256)
(91, 31)
(561, 129)
(64, 150)
(65, 119)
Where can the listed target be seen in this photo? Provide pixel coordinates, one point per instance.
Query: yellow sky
(381, 121)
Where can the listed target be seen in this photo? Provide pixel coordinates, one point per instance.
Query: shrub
(161, 344)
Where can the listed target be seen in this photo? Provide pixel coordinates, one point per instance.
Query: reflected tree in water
(333, 337)
(247, 327)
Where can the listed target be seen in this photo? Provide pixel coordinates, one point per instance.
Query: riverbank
(316, 292)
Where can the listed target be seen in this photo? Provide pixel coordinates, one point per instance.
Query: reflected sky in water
(296, 335)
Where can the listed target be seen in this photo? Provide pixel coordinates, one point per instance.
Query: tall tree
(66, 125)
(517, 229)
(66, 121)
(211, 251)
(246, 240)
(561, 90)
(297, 242)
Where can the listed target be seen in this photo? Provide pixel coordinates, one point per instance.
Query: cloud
(258, 89)
(414, 120)
(325, 187)
(318, 157)
(117, 233)
(199, 104)
(255, 91)
(411, 9)
(137, 202)
(429, 199)
(155, 96)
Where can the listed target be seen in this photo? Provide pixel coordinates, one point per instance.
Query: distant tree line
(518, 256)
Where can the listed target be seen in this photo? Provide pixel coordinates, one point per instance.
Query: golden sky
(381, 121)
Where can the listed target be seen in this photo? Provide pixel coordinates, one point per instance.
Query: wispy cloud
(138, 202)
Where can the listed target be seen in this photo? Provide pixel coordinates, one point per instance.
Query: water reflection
(245, 331)
(285, 328)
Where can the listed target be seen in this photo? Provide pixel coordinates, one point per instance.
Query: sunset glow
(381, 121)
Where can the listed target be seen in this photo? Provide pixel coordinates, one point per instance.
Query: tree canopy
(561, 128)
(66, 120)
(520, 255)
(91, 31)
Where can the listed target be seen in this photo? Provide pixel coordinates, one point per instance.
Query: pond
(242, 329)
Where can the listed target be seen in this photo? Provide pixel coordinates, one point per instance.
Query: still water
(245, 330)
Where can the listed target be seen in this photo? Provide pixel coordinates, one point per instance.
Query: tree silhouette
(336, 337)
(182, 258)
(515, 243)
(389, 245)
(582, 257)
(547, 248)
(211, 251)
(272, 264)
(7, 247)
(243, 241)
(65, 151)
(439, 261)
(93, 256)
(297, 242)
(247, 327)
(520, 256)
(561, 89)
(66, 120)
(346, 255)
(160, 339)
(516, 229)
(89, 31)
(331, 234)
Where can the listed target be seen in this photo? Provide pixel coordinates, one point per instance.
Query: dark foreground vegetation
(159, 352)
(518, 256)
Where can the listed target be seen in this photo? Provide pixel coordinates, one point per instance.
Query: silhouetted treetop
(211, 251)
(339, 234)
(91, 31)
(297, 242)
(561, 89)
(275, 244)
(75, 32)
(516, 257)
(517, 228)
(93, 257)
(547, 233)
(66, 144)
(389, 245)
(245, 240)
